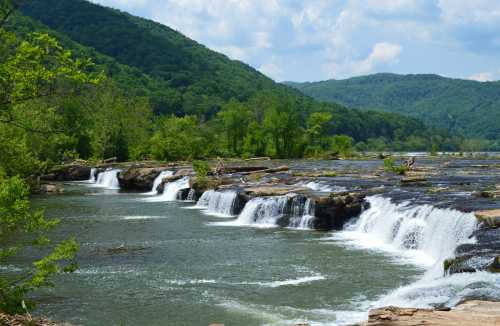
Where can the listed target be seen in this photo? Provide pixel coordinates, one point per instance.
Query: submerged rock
(471, 313)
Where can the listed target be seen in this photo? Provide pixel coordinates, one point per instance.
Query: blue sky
(309, 40)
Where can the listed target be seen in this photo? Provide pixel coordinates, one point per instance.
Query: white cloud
(382, 53)
(318, 39)
(482, 77)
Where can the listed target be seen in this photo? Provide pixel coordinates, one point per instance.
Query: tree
(316, 133)
(178, 138)
(342, 145)
(20, 228)
(282, 123)
(235, 118)
(38, 68)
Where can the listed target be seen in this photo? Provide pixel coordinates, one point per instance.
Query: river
(147, 260)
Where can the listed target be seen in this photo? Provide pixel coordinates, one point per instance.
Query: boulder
(138, 178)
(333, 211)
(471, 313)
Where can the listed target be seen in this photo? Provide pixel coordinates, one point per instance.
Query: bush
(391, 167)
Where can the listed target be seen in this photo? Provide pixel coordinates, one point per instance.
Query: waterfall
(218, 203)
(159, 180)
(305, 218)
(191, 195)
(290, 210)
(93, 175)
(108, 179)
(172, 190)
(422, 232)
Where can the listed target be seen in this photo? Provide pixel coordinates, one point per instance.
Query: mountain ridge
(456, 105)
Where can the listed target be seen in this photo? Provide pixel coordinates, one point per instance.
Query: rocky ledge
(69, 172)
(471, 313)
(484, 253)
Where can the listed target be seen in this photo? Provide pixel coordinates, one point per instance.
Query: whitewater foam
(108, 179)
(217, 203)
(171, 191)
(158, 180)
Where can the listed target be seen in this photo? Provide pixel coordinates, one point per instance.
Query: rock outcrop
(138, 178)
(471, 313)
(70, 172)
(333, 211)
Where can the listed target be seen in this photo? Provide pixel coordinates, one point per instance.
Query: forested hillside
(468, 107)
(179, 76)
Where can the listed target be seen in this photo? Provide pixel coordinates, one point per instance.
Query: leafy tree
(178, 139)
(235, 118)
(342, 145)
(20, 228)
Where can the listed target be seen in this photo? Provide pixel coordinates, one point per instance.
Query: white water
(266, 211)
(171, 191)
(425, 236)
(304, 220)
(158, 181)
(321, 187)
(108, 179)
(93, 175)
(218, 203)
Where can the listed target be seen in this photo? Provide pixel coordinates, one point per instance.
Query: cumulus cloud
(482, 77)
(383, 53)
(319, 39)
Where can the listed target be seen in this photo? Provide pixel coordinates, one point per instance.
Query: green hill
(179, 75)
(462, 106)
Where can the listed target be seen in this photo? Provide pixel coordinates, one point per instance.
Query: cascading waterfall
(93, 175)
(172, 190)
(108, 179)
(270, 211)
(426, 235)
(159, 180)
(305, 218)
(191, 195)
(424, 232)
(218, 203)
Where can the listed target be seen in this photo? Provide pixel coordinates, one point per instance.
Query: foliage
(391, 166)
(181, 77)
(178, 138)
(19, 228)
(458, 106)
(342, 145)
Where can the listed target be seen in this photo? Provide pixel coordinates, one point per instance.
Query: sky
(311, 40)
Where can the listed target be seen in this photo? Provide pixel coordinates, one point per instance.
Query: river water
(183, 266)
